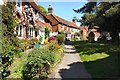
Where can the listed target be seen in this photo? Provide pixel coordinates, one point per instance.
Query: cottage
(32, 21)
(59, 24)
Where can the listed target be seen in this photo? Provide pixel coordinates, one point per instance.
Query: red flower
(51, 39)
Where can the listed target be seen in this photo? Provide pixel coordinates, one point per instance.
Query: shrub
(46, 41)
(21, 45)
(38, 64)
(40, 39)
(91, 37)
(51, 39)
(47, 31)
(36, 40)
(60, 38)
(54, 46)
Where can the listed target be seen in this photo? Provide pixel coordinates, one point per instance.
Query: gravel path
(71, 65)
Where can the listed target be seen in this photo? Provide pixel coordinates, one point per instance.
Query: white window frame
(62, 27)
(20, 2)
(41, 18)
(67, 28)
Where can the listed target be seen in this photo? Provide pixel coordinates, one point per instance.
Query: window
(41, 18)
(19, 4)
(62, 27)
(72, 29)
(35, 33)
(67, 28)
(19, 30)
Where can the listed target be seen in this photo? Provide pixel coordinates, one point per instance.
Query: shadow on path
(71, 66)
(76, 70)
(69, 42)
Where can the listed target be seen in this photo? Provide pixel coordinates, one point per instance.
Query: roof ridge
(65, 20)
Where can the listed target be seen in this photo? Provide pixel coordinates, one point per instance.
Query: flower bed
(40, 61)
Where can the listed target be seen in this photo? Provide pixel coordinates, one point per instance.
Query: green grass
(100, 60)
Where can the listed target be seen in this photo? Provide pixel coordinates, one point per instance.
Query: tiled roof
(41, 24)
(34, 5)
(63, 21)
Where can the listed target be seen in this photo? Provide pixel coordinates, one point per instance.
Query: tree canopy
(106, 15)
(42, 9)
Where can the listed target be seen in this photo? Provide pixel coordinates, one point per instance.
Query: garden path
(71, 65)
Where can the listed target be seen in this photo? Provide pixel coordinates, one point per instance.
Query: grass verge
(100, 60)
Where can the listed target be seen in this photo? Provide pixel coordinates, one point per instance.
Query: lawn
(100, 60)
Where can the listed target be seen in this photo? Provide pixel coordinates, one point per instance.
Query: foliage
(25, 44)
(40, 39)
(105, 15)
(36, 40)
(9, 40)
(42, 9)
(100, 60)
(86, 8)
(78, 36)
(52, 38)
(60, 38)
(38, 63)
(17, 66)
(46, 41)
(81, 35)
(91, 37)
(53, 46)
(47, 31)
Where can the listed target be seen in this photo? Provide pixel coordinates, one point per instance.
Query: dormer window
(41, 18)
(19, 4)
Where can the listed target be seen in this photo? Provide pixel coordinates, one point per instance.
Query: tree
(86, 8)
(42, 9)
(105, 15)
(9, 40)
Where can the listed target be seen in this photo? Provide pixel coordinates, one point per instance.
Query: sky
(64, 9)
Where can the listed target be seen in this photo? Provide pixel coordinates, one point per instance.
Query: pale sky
(64, 9)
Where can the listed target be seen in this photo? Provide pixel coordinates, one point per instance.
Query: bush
(60, 38)
(91, 37)
(38, 64)
(53, 46)
(51, 39)
(36, 40)
(46, 41)
(47, 31)
(40, 39)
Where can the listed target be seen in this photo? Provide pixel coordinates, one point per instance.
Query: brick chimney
(50, 9)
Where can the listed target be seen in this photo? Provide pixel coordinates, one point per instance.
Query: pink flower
(51, 39)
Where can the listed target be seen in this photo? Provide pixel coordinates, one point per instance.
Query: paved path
(71, 65)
